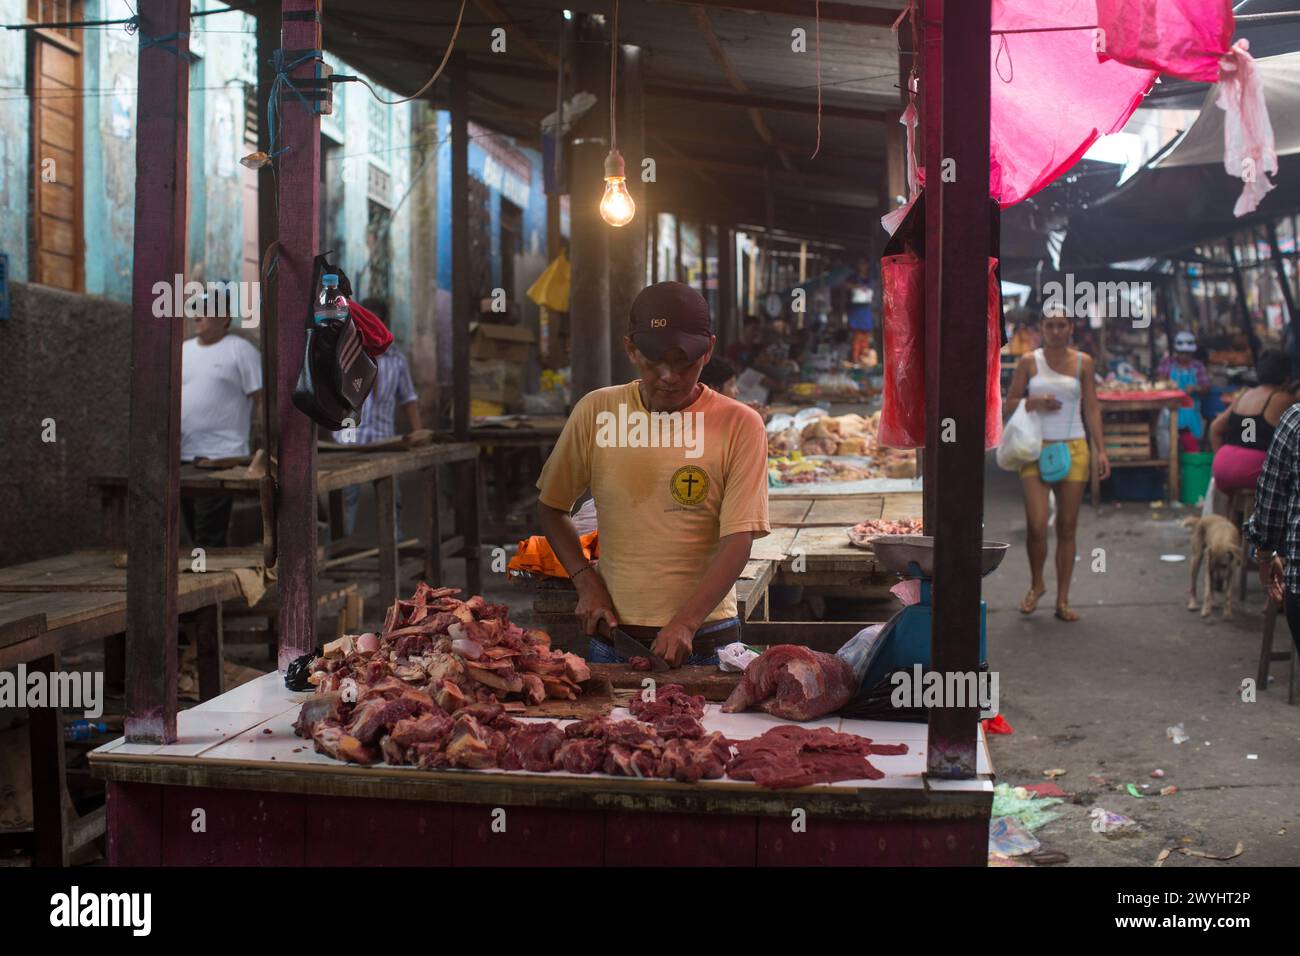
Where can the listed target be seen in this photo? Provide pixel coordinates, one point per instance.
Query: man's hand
(594, 602)
(673, 642)
(1272, 574)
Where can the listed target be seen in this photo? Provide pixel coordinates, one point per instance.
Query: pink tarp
(1179, 37)
(1051, 97)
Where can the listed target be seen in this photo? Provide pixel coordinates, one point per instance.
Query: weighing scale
(904, 641)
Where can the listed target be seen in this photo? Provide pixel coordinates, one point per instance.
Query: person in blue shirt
(862, 320)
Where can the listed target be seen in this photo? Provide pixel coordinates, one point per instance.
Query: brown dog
(1217, 543)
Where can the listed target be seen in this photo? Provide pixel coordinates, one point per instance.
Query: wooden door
(55, 85)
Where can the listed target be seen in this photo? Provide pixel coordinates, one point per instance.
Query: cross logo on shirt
(689, 485)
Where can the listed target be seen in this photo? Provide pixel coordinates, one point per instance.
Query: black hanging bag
(336, 374)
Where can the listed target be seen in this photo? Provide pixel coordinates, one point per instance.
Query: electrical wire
(613, 84)
(436, 73)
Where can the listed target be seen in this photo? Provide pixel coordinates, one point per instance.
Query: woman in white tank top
(1057, 384)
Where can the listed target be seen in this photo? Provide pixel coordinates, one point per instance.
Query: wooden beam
(961, 266)
(867, 16)
(761, 101)
(705, 26)
(299, 226)
(460, 278)
(153, 505)
(517, 33)
(268, 226)
(588, 234)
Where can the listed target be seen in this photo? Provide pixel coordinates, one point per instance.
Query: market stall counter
(1130, 418)
(239, 788)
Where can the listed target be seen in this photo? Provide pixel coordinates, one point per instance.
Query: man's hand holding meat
(679, 477)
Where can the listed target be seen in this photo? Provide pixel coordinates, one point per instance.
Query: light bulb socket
(614, 167)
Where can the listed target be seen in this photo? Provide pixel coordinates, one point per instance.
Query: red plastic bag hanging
(375, 336)
(902, 412)
(993, 367)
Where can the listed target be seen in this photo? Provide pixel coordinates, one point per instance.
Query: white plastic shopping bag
(1022, 440)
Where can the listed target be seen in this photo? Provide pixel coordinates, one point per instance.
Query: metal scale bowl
(905, 640)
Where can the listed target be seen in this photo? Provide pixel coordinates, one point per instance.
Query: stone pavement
(1095, 697)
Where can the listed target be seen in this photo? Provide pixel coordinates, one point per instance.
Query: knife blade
(628, 646)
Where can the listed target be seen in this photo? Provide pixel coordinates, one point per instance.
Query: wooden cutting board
(598, 698)
(707, 680)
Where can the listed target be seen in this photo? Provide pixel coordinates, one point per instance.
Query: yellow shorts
(1078, 462)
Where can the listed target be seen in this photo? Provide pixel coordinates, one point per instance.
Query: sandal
(1063, 613)
(1031, 599)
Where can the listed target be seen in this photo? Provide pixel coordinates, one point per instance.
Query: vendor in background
(1188, 372)
(861, 318)
(1240, 435)
(221, 396)
(1061, 387)
(393, 389)
(1274, 527)
(1026, 336)
(743, 353)
(720, 375)
(676, 519)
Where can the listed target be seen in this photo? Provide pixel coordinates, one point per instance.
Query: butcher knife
(628, 646)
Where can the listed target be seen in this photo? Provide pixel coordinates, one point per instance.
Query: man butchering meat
(679, 477)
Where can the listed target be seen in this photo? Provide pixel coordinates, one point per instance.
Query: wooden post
(931, 74)
(48, 766)
(386, 521)
(433, 547)
(299, 225)
(460, 305)
(1247, 326)
(725, 321)
(268, 226)
(1288, 296)
(956, 445)
(209, 636)
(153, 505)
(589, 317)
(627, 246)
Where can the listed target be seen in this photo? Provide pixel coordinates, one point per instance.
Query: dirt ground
(1095, 697)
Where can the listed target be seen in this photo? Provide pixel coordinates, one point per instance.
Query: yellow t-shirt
(666, 490)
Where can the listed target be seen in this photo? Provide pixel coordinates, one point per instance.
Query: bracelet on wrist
(585, 567)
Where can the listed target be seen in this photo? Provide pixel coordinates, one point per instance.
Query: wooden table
(271, 800)
(529, 437)
(1121, 452)
(338, 469)
(49, 606)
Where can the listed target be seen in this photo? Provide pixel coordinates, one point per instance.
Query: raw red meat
(580, 754)
(794, 683)
(669, 699)
(640, 664)
(787, 757)
(474, 746)
(693, 760)
(532, 747)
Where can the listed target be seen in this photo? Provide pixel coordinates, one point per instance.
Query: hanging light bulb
(616, 206)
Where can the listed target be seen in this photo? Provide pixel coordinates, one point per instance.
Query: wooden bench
(1272, 611)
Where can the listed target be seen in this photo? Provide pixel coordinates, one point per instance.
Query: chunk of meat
(318, 707)
(431, 728)
(789, 756)
(628, 762)
(793, 683)
(534, 689)
(678, 726)
(596, 728)
(354, 751)
(449, 697)
(580, 754)
(474, 746)
(640, 664)
(532, 747)
(576, 669)
(693, 760)
(427, 756)
(668, 699)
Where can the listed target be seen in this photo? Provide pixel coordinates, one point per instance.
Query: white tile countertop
(252, 725)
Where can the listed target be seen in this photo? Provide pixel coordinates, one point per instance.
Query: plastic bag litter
(1009, 838)
(780, 423)
(857, 650)
(735, 657)
(1022, 440)
(805, 415)
(1176, 734)
(1112, 824)
(1029, 811)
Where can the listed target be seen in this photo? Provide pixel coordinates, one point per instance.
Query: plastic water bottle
(82, 729)
(330, 303)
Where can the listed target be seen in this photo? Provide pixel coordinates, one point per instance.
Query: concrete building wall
(15, 141)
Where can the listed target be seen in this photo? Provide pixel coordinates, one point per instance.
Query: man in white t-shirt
(221, 390)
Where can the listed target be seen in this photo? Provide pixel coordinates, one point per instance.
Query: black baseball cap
(669, 315)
